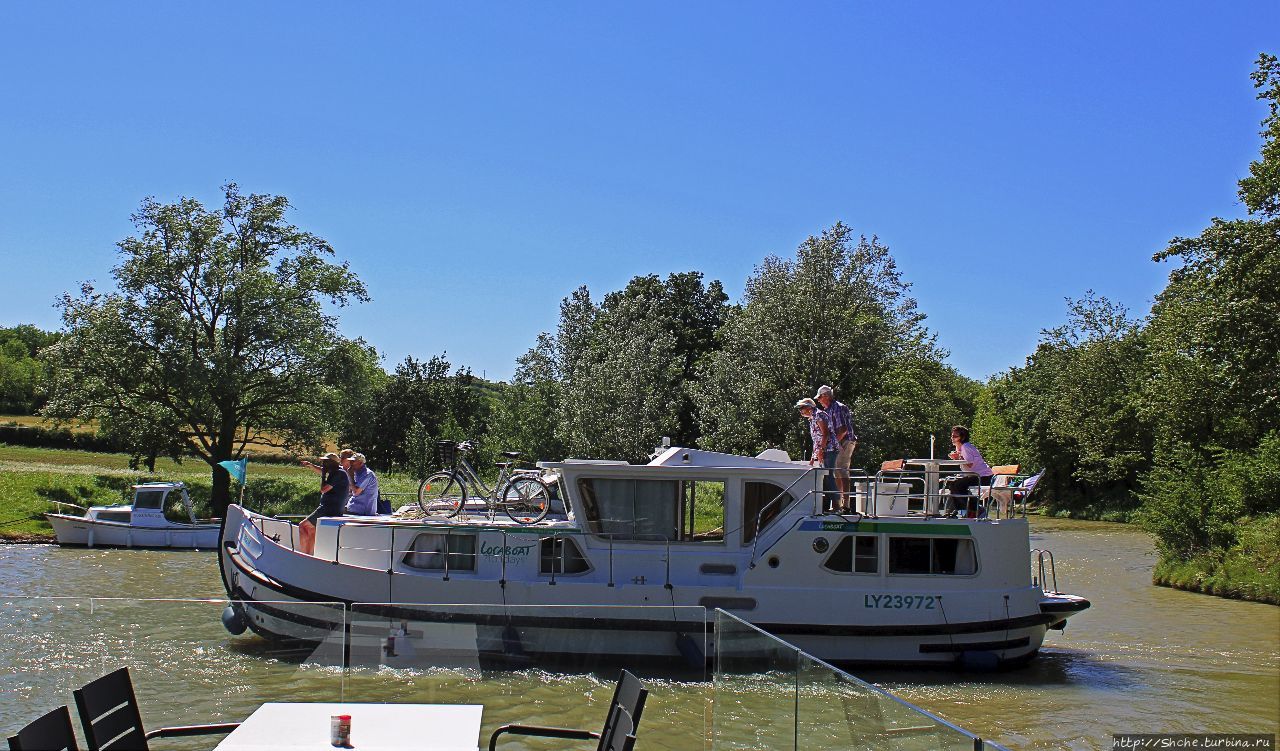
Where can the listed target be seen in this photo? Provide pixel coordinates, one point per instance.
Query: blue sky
(476, 162)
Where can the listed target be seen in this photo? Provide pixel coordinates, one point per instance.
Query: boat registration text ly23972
(900, 602)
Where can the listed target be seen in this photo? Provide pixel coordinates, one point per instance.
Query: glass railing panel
(835, 710)
(754, 704)
(186, 667)
(536, 665)
(772, 695)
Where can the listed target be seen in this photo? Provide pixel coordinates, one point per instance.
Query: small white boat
(643, 545)
(140, 524)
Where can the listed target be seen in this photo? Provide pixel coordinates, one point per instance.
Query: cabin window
(113, 516)
(702, 511)
(759, 496)
(855, 554)
(931, 555)
(561, 555)
(428, 552)
(153, 499)
(627, 509)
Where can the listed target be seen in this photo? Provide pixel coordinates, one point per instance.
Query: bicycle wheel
(526, 499)
(442, 494)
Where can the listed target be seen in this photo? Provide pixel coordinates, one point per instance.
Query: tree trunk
(220, 496)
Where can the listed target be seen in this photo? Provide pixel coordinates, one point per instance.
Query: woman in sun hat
(335, 488)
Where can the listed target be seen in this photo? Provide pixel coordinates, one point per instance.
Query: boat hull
(284, 595)
(78, 531)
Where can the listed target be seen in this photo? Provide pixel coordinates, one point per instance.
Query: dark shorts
(326, 508)
(829, 458)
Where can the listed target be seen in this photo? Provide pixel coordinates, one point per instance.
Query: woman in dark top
(335, 488)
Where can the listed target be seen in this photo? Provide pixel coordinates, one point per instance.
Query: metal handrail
(1045, 573)
(755, 540)
(900, 474)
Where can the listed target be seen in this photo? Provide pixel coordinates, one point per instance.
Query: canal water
(1142, 659)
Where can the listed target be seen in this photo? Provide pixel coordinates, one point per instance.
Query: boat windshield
(153, 499)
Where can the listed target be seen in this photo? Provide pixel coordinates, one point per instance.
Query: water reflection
(1143, 659)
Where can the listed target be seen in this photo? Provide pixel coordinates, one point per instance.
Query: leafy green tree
(837, 313)
(441, 401)
(216, 328)
(992, 430)
(23, 377)
(1212, 392)
(1074, 406)
(526, 417)
(1260, 191)
(618, 375)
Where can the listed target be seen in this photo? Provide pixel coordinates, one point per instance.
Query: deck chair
(111, 720)
(1017, 488)
(50, 732)
(1002, 478)
(619, 732)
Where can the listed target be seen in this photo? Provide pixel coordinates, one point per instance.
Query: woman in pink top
(975, 468)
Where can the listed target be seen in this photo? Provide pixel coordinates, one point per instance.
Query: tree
(1212, 393)
(616, 377)
(22, 376)
(216, 329)
(417, 404)
(837, 313)
(526, 417)
(1074, 405)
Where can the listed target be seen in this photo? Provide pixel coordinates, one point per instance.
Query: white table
(374, 727)
(933, 469)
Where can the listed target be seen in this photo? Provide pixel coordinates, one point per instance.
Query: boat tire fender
(234, 620)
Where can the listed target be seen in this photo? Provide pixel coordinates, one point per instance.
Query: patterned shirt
(842, 419)
(819, 420)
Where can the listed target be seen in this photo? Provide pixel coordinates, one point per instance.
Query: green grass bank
(1248, 570)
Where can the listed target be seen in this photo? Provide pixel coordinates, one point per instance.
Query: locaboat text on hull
(646, 552)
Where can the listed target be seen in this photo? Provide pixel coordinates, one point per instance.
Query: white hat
(807, 402)
(824, 390)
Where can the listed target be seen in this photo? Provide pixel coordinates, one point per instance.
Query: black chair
(52, 732)
(619, 732)
(111, 720)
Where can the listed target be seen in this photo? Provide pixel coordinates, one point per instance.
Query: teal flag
(237, 468)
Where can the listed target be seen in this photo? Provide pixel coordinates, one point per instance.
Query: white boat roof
(677, 456)
(158, 486)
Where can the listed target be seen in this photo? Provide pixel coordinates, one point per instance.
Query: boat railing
(70, 505)
(1045, 571)
(816, 473)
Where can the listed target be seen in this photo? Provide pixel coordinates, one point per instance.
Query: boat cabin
(147, 507)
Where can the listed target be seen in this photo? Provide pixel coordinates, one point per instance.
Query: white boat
(646, 545)
(139, 524)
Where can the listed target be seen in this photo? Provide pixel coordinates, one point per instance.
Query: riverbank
(1249, 570)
